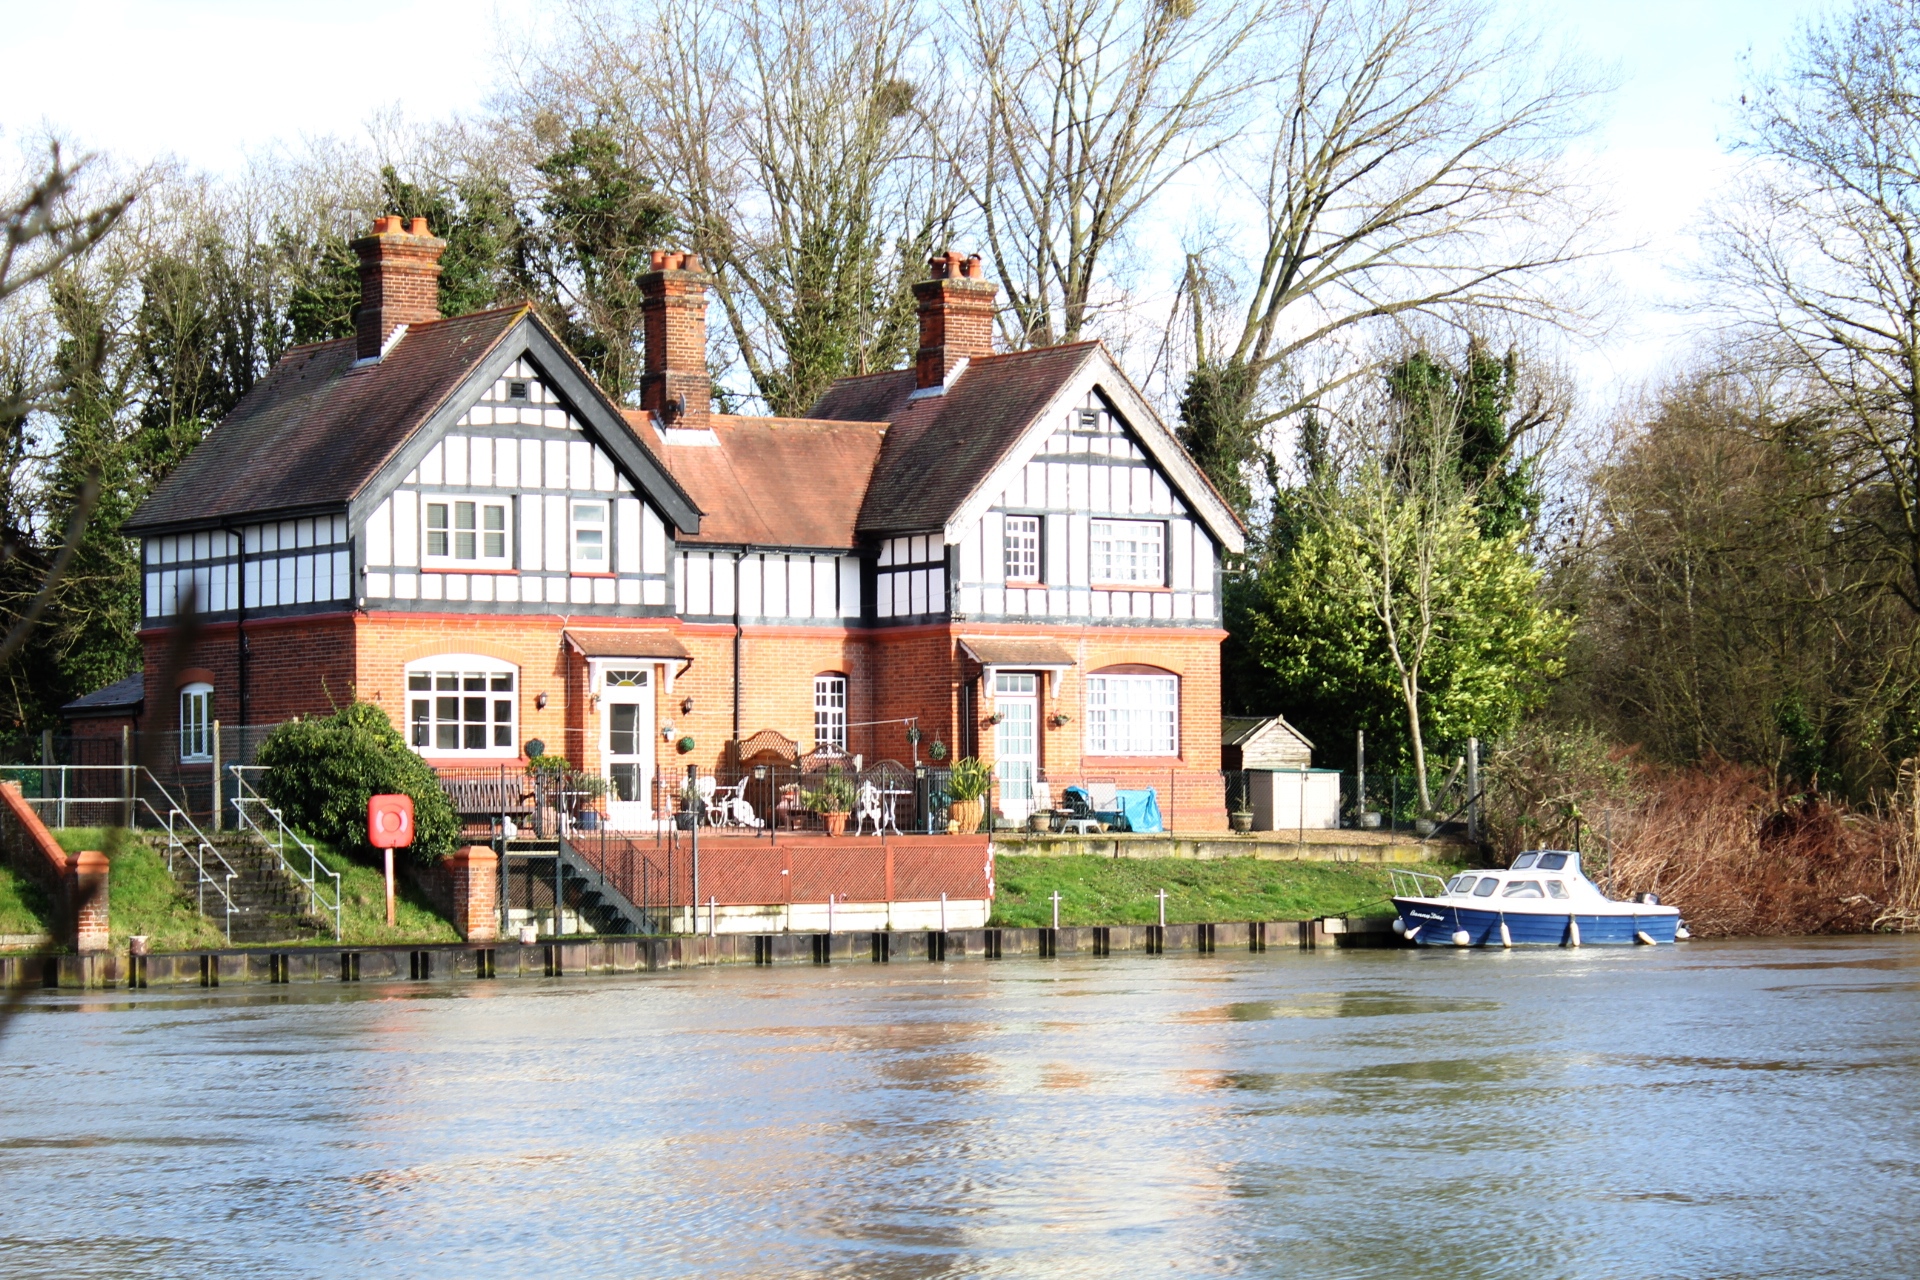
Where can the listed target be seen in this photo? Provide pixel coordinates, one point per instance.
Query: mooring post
(1056, 908)
(216, 778)
(1162, 895)
(1473, 788)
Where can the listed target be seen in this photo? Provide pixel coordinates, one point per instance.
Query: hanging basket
(685, 744)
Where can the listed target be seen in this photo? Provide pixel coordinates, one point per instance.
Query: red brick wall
(295, 667)
(673, 314)
(399, 281)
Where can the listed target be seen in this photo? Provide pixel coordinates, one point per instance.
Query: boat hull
(1439, 922)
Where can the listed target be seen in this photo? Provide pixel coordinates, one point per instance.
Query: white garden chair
(867, 808)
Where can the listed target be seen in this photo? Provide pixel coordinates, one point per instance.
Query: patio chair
(707, 788)
(866, 808)
(1105, 798)
(1077, 809)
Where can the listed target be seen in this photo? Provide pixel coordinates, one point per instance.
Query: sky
(212, 81)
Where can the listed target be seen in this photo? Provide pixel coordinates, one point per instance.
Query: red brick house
(448, 518)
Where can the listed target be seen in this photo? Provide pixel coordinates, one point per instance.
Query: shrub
(321, 772)
(969, 779)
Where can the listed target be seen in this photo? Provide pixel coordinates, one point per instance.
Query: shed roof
(122, 697)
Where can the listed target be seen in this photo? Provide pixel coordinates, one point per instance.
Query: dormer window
(517, 391)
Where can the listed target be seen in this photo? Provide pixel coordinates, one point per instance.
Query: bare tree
(794, 142)
(1086, 111)
(1411, 172)
(1823, 254)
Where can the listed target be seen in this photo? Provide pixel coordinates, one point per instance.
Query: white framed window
(1130, 552)
(463, 704)
(467, 533)
(591, 541)
(1133, 715)
(1023, 548)
(196, 723)
(830, 711)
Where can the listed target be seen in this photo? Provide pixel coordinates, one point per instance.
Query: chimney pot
(419, 227)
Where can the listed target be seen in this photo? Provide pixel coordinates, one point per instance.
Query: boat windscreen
(1487, 886)
(1524, 861)
(1460, 884)
(1553, 861)
(1524, 889)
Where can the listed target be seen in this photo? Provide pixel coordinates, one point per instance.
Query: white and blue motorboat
(1543, 899)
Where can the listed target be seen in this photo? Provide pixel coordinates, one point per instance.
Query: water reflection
(1721, 1109)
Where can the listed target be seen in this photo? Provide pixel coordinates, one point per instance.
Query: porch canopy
(609, 648)
(1019, 653)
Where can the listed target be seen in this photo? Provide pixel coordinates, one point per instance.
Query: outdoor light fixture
(540, 701)
(686, 705)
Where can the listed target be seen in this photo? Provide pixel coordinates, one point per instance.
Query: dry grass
(1737, 857)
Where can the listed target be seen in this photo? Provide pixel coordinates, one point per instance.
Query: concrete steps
(268, 905)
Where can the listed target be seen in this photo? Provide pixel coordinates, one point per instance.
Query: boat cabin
(1540, 873)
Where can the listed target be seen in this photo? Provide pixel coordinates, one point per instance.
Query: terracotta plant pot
(836, 823)
(967, 813)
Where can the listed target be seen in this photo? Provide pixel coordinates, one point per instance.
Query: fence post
(1359, 776)
(126, 771)
(1473, 788)
(216, 775)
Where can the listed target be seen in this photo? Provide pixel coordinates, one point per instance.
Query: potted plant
(1242, 819)
(832, 800)
(967, 783)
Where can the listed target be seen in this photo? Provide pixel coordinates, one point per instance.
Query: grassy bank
(143, 898)
(23, 907)
(1096, 890)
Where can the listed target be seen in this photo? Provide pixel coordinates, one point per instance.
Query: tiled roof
(122, 697)
(316, 428)
(1004, 651)
(940, 449)
(782, 482)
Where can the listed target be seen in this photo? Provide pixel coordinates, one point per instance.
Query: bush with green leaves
(320, 773)
(969, 779)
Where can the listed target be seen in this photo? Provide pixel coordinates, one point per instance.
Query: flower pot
(836, 823)
(1040, 823)
(1424, 826)
(1242, 820)
(967, 813)
(1370, 821)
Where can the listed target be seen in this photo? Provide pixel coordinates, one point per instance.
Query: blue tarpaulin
(1141, 809)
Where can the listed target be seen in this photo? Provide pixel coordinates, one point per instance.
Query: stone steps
(268, 906)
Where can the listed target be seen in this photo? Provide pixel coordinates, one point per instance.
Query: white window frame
(463, 668)
(579, 563)
(1133, 715)
(1020, 545)
(1142, 563)
(480, 509)
(830, 711)
(196, 723)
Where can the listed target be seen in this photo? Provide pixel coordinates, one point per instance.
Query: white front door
(626, 711)
(1016, 741)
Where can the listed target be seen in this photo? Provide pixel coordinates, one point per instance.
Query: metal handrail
(1409, 884)
(195, 852)
(244, 794)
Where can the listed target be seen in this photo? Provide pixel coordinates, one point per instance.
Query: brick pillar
(476, 905)
(87, 894)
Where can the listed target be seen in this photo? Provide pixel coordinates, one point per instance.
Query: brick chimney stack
(673, 313)
(956, 317)
(399, 281)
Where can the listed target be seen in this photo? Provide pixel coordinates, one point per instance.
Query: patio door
(1016, 740)
(626, 711)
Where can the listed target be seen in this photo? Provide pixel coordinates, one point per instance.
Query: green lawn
(1097, 890)
(363, 905)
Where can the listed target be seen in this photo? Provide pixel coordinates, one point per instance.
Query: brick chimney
(673, 313)
(399, 281)
(956, 317)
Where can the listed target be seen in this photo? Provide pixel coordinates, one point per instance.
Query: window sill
(1127, 586)
(450, 568)
(591, 573)
(1132, 762)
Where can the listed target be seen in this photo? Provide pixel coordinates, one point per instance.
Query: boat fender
(1414, 932)
(1399, 925)
(1573, 931)
(1461, 937)
(1644, 938)
(1680, 933)
(1650, 899)
(1506, 937)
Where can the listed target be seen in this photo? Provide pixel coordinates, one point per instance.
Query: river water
(1716, 1109)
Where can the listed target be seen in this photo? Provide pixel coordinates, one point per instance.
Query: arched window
(196, 723)
(1133, 711)
(463, 704)
(830, 711)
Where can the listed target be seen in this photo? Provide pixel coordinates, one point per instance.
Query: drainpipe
(240, 623)
(737, 558)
